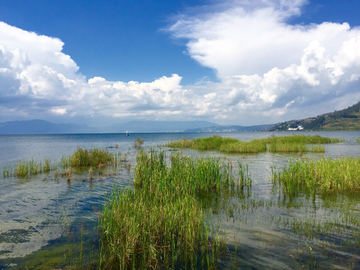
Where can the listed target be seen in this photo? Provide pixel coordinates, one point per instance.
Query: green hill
(346, 119)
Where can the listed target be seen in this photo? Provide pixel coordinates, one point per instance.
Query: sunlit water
(42, 218)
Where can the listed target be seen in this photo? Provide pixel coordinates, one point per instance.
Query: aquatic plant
(207, 143)
(22, 169)
(91, 171)
(287, 147)
(317, 149)
(65, 161)
(47, 165)
(92, 157)
(294, 143)
(301, 139)
(243, 147)
(325, 174)
(81, 157)
(28, 168)
(182, 143)
(160, 224)
(244, 179)
(138, 142)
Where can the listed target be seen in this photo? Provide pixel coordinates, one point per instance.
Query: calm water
(41, 219)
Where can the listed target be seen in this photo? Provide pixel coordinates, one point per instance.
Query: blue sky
(230, 62)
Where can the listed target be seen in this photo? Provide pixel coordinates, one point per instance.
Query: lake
(44, 219)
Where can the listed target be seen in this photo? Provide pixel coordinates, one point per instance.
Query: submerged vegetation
(161, 223)
(325, 175)
(294, 143)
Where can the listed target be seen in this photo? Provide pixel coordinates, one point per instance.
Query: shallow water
(42, 218)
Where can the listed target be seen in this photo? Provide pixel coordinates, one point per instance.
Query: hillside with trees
(346, 119)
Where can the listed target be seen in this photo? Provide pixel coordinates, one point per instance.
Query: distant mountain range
(346, 119)
(219, 128)
(45, 127)
(158, 126)
(41, 127)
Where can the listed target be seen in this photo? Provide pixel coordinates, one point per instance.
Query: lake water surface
(44, 218)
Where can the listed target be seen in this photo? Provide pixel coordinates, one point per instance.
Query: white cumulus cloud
(270, 66)
(38, 80)
(268, 71)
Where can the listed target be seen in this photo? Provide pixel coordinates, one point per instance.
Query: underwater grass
(325, 174)
(160, 224)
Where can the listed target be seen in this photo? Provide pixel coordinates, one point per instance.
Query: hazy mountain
(41, 127)
(45, 127)
(159, 126)
(346, 119)
(232, 128)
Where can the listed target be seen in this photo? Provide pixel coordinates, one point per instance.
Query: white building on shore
(297, 128)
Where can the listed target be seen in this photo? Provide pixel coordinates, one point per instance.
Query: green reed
(90, 157)
(211, 143)
(317, 149)
(301, 139)
(28, 168)
(81, 157)
(244, 178)
(288, 147)
(160, 224)
(325, 174)
(244, 147)
(207, 143)
(138, 142)
(294, 143)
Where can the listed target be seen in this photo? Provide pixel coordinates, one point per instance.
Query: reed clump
(288, 147)
(211, 143)
(160, 224)
(28, 168)
(294, 143)
(301, 139)
(138, 142)
(81, 157)
(244, 147)
(92, 157)
(325, 175)
(317, 149)
(228, 145)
